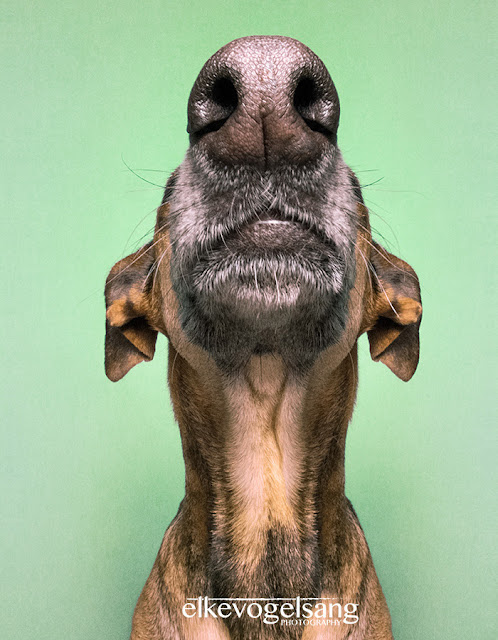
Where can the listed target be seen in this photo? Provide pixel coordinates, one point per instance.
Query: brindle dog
(262, 274)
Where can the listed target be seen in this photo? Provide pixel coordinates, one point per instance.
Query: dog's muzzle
(261, 252)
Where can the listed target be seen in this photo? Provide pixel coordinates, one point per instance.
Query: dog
(263, 273)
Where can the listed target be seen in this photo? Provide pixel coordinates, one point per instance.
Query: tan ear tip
(408, 310)
(117, 314)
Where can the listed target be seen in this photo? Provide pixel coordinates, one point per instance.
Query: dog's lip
(272, 220)
(270, 215)
(274, 217)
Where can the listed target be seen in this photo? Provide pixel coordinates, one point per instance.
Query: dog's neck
(264, 455)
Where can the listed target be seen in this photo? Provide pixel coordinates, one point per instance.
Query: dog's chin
(264, 294)
(268, 288)
(267, 273)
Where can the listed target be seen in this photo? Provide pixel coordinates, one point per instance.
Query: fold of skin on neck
(265, 513)
(265, 471)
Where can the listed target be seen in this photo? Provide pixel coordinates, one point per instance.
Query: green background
(92, 471)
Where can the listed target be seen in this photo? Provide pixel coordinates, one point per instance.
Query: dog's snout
(263, 101)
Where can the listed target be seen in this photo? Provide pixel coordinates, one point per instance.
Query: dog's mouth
(263, 263)
(272, 233)
(276, 216)
(273, 262)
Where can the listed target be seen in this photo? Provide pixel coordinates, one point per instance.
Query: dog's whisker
(368, 268)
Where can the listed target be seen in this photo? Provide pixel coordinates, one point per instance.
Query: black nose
(266, 101)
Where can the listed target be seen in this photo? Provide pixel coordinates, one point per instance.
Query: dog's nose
(266, 101)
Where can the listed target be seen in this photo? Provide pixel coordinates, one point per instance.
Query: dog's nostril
(224, 94)
(307, 98)
(220, 101)
(305, 95)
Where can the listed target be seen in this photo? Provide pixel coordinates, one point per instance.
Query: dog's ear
(129, 338)
(397, 311)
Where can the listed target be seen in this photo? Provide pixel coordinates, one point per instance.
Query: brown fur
(264, 455)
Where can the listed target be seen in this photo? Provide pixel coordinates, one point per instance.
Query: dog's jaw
(263, 262)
